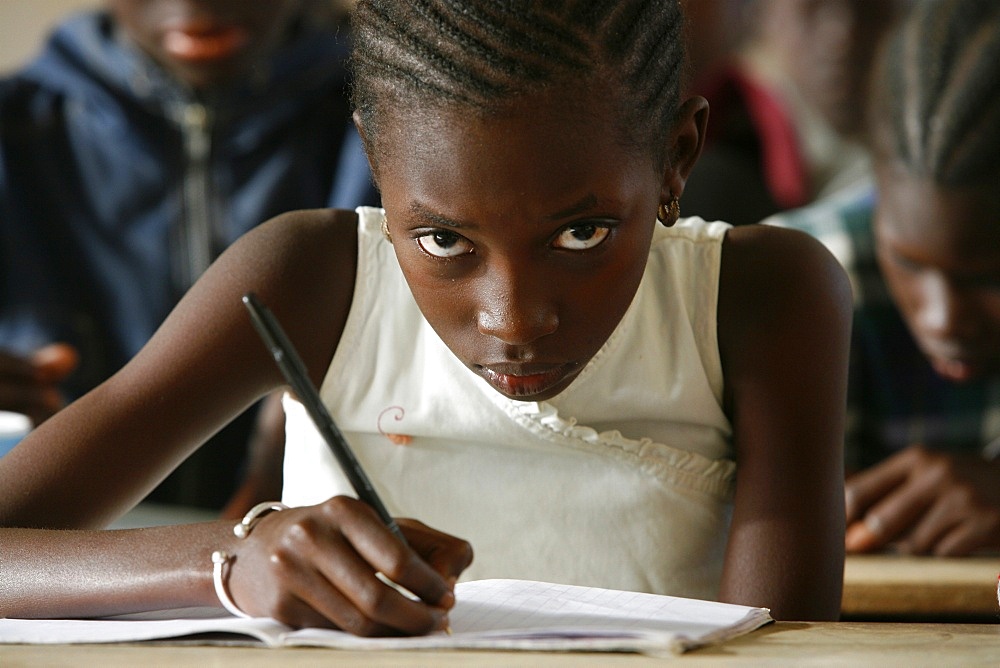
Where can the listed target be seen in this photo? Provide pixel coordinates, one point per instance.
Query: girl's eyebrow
(588, 202)
(420, 211)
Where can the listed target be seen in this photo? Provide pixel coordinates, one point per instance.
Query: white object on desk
(13, 427)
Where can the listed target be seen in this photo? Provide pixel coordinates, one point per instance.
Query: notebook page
(520, 614)
(488, 614)
(506, 606)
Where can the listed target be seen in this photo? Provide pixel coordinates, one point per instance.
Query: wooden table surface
(886, 645)
(900, 587)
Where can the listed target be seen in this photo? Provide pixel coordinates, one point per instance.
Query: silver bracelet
(222, 559)
(242, 530)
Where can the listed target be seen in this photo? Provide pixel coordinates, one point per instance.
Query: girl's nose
(945, 309)
(514, 311)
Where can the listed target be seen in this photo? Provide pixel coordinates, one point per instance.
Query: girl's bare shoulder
(765, 266)
(299, 248)
(302, 264)
(318, 230)
(777, 283)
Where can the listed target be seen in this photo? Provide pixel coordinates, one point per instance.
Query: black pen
(295, 373)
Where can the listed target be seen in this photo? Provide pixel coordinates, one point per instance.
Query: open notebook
(489, 614)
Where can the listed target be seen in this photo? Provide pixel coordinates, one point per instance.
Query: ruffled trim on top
(670, 464)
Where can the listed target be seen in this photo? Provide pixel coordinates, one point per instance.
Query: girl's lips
(525, 385)
(197, 44)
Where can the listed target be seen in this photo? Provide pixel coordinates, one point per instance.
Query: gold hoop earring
(669, 213)
(385, 229)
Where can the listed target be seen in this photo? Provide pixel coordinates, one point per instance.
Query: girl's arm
(784, 337)
(100, 456)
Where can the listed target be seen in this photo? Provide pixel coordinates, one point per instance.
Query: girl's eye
(442, 243)
(582, 237)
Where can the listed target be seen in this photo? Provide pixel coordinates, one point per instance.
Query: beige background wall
(24, 24)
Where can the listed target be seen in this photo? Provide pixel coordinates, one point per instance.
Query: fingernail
(857, 537)
(874, 524)
(447, 600)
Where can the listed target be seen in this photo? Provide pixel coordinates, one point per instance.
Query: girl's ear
(686, 142)
(366, 144)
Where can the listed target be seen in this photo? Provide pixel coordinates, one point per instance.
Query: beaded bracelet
(222, 559)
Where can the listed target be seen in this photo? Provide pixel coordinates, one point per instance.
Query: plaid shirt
(895, 399)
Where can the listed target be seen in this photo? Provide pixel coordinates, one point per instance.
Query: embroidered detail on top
(396, 413)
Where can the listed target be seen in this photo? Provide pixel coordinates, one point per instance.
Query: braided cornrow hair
(938, 92)
(483, 54)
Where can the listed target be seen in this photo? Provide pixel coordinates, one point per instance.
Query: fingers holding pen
(317, 567)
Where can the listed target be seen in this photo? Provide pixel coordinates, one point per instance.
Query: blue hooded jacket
(118, 186)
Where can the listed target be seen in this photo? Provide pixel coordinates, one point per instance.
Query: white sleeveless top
(624, 480)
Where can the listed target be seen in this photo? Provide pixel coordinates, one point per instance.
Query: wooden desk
(928, 588)
(781, 644)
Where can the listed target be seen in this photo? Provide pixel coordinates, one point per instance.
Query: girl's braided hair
(483, 54)
(937, 93)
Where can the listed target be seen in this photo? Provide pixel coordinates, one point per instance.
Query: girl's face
(205, 42)
(827, 48)
(523, 238)
(939, 249)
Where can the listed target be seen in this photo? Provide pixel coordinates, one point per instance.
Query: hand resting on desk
(925, 502)
(316, 567)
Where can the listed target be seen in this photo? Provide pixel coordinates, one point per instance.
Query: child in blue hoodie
(141, 142)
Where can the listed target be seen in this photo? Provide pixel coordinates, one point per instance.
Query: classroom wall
(25, 23)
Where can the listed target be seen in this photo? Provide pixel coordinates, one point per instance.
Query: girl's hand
(29, 385)
(317, 566)
(925, 502)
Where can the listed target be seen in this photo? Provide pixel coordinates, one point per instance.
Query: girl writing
(604, 371)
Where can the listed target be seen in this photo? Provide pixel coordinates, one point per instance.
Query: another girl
(925, 258)
(604, 372)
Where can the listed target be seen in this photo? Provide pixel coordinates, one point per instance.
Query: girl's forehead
(523, 140)
(528, 164)
(919, 212)
(565, 118)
